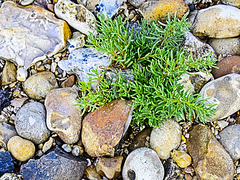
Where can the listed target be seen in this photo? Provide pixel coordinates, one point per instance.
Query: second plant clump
(155, 55)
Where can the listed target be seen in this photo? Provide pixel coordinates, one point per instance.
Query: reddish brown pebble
(227, 66)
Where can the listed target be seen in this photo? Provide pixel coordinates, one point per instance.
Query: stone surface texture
(6, 163)
(6, 132)
(181, 158)
(82, 61)
(219, 21)
(160, 9)
(225, 93)
(28, 34)
(102, 129)
(165, 138)
(62, 117)
(226, 66)
(39, 85)
(110, 167)
(143, 163)
(110, 7)
(230, 139)
(21, 149)
(9, 73)
(141, 139)
(30, 122)
(195, 81)
(197, 47)
(226, 46)
(136, 3)
(54, 165)
(91, 173)
(90, 5)
(76, 15)
(210, 159)
(232, 2)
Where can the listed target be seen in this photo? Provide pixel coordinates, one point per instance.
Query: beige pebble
(20, 148)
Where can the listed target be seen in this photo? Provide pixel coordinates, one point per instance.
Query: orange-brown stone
(103, 128)
(160, 9)
(210, 159)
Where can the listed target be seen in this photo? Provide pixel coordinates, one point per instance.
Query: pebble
(92, 174)
(66, 147)
(22, 74)
(230, 139)
(103, 128)
(226, 66)
(62, 117)
(46, 35)
(39, 85)
(30, 122)
(18, 102)
(9, 176)
(141, 139)
(55, 165)
(77, 41)
(226, 46)
(143, 163)
(77, 150)
(172, 170)
(82, 61)
(206, 151)
(6, 163)
(76, 16)
(224, 93)
(222, 124)
(26, 2)
(110, 167)
(69, 82)
(195, 81)
(219, 21)
(109, 7)
(90, 5)
(6, 132)
(160, 9)
(232, 2)
(4, 99)
(165, 138)
(47, 145)
(198, 48)
(21, 149)
(181, 158)
(9, 73)
(136, 3)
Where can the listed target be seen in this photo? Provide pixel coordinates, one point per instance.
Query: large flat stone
(28, 34)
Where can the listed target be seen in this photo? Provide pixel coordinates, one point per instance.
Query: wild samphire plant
(157, 60)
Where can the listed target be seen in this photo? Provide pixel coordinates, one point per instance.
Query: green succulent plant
(157, 60)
